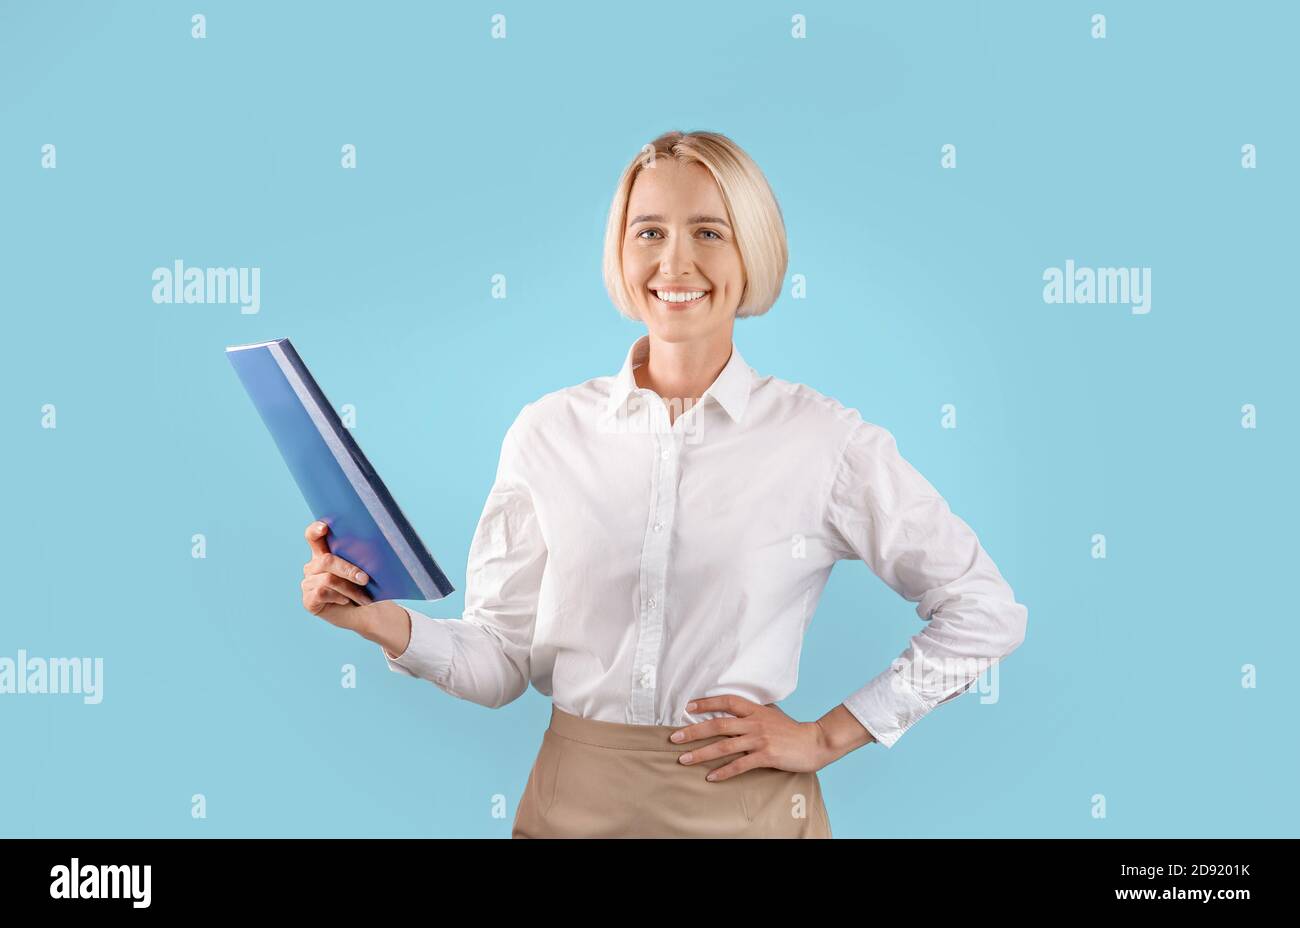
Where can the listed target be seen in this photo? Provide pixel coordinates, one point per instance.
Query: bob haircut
(752, 210)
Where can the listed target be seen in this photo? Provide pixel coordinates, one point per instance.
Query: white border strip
(377, 511)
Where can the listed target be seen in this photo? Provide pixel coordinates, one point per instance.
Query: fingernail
(690, 707)
(686, 758)
(361, 576)
(711, 777)
(676, 736)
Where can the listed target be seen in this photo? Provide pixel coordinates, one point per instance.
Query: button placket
(654, 568)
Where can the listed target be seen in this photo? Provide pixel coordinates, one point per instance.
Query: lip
(678, 306)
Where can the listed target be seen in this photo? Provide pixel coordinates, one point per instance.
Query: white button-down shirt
(624, 566)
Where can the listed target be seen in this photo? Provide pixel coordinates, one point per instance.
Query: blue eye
(715, 235)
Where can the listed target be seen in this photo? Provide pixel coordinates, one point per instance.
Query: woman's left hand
(769, 737)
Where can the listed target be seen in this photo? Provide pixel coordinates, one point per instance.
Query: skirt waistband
(621, 735)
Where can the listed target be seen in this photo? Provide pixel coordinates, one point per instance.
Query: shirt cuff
(887, 706)
(428, 653)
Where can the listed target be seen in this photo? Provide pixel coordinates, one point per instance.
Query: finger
(315, 594)
(315, 534)
(728, 702)
(352, 592)
(326, 596)
(708, 728)
(335, 565)
(720, 749)
(329, 589)
(735, 768)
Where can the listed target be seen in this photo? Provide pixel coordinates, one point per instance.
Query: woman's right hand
(332, 588)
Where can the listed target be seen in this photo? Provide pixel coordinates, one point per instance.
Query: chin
(676, 330)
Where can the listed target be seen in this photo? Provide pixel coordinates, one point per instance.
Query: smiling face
(680, 261)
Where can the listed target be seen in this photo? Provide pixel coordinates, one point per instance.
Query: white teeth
(679, 297)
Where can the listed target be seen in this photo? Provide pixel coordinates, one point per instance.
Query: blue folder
(341, 488)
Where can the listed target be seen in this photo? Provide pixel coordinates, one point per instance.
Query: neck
(684, 370)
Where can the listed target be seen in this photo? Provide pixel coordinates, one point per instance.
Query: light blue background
(478, 157)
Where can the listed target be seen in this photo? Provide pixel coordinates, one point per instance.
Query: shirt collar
(730, 390)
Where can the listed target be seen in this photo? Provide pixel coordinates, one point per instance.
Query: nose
(677, 260)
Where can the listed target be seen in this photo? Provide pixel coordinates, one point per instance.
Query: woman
(655, 542)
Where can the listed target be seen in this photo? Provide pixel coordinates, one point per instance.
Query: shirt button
(665, 454)
(647, 675)
(659, 526)
(652, 602)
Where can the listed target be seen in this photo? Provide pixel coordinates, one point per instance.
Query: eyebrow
(691, 221)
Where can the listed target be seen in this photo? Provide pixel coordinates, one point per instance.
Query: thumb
(316, 533)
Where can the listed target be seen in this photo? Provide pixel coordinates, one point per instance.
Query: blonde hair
(752, 210)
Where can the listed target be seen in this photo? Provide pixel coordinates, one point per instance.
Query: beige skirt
(595, 779)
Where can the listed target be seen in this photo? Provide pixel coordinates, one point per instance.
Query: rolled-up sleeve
(483, 656)
(883, 511)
